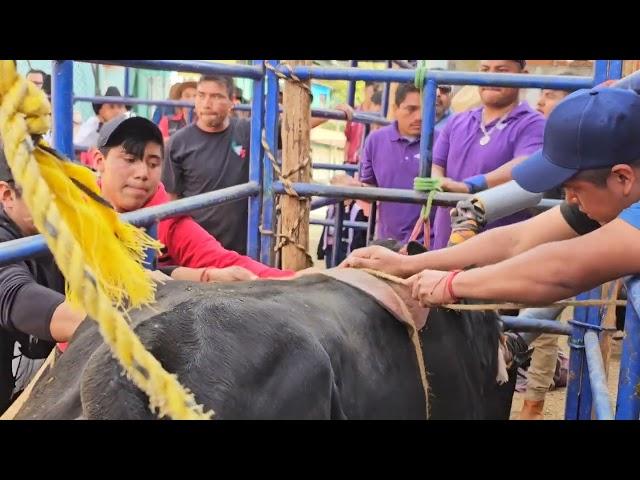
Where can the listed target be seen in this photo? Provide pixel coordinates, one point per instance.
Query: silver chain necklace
(486, 138)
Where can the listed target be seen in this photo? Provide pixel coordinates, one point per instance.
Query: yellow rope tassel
(99, 255)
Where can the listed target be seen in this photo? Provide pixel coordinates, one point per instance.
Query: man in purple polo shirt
(391, 159)
(477, 149)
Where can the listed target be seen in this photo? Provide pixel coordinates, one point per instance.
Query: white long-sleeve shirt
(87, 134)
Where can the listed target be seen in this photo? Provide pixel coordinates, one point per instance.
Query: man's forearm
(502, 174)
(490, 247)
(65, 321)
(495, 245)
(548, 273)
(437, 171)
(559, 269)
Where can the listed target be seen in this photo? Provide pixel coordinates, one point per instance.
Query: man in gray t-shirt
(211, 154)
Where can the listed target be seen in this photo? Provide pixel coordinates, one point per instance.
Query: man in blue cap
(591, 149)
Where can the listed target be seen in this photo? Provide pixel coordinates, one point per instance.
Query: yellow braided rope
(24, 112)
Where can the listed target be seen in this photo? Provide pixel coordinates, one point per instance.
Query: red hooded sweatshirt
(187, 244)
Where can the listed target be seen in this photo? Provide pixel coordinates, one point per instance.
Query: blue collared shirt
(443, 121)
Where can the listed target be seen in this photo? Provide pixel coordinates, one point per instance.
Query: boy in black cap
(129, 161)
(33, 310)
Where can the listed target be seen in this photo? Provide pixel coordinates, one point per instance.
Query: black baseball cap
(115, 131)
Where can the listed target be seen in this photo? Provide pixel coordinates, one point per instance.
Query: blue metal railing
(628, 403)
(361, 117)
(23, 248)
(587, 388)
(597, 377)
(194, 66)
(535, 325)
(62, 105)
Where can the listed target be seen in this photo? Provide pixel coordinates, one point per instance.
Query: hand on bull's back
(228, 274)
(378, 258)
(429, 287)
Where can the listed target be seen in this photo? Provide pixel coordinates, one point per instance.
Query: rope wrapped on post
(428, 185)
(284, 238)
(431, 186)
(421, 73)
(292, 77)
(99, 256)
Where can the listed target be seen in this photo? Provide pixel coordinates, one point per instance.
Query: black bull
(310, 348)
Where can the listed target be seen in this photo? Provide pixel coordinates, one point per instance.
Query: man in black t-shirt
(209, 155)
(212, 154)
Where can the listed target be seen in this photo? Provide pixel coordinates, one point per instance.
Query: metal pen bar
(444, 199)
(256, 153)
(371, 228)
(194, 66)
(337, 233)
(329, 113)
(628, 402)
(16, 250)
(597, 377)
(447, 77)
(327, 222)
(520, 324)
(334, 166)
(271, 129)
(62, 114)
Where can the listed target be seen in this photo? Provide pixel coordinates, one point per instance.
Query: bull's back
(308, 348)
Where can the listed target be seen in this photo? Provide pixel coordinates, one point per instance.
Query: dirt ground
(555, 400)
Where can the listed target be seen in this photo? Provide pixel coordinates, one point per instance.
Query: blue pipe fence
(587, 394)
(328, 113)
(21, 249)
(628, 402)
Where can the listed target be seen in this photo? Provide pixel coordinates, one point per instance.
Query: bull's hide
(310, 348)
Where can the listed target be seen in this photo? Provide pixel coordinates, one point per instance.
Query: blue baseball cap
(589, 129)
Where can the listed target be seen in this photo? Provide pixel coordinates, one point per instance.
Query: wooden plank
(610, 292)
(630, 66)
(296, 148)
(393, 86)
(15, 407)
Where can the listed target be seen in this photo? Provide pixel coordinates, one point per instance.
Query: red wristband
(449, 285)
